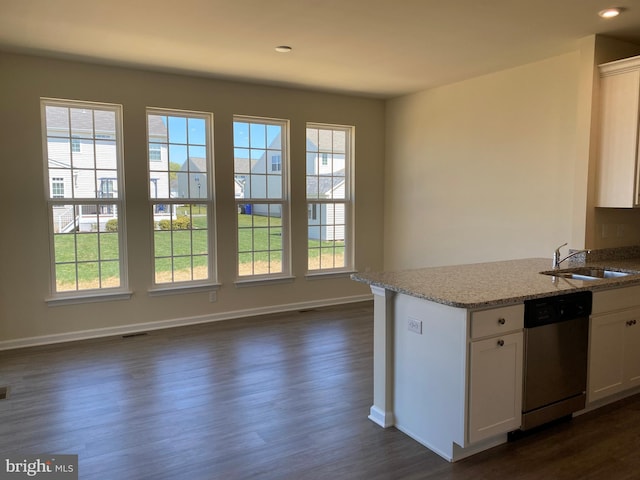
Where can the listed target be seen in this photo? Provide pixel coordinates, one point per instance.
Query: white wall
(24, 248)
(483, 169)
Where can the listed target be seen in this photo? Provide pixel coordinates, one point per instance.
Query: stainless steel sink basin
(586, 273)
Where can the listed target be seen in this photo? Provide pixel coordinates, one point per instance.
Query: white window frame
(170, 203)
(283, 202)
(348, 200)
(86, 203)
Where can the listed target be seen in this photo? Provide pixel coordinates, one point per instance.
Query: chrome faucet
(556, 255)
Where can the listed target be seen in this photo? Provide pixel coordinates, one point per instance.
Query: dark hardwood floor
(275, 397)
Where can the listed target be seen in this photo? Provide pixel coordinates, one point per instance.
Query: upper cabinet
(617, 171)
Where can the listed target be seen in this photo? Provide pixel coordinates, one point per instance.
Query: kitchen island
(448, 345)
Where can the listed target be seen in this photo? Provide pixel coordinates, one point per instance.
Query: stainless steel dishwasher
(556, 338)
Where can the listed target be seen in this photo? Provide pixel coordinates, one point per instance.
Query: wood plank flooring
(274, 397)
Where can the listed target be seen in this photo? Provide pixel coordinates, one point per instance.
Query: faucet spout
(556, 255)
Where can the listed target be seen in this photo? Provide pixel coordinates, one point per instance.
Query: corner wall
(483, 169)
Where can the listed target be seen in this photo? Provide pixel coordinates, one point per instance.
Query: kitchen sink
(586, 273)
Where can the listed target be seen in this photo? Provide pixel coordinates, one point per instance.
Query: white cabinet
(614, 360)
(495, 386)
(495, 372)
(457, 378)
(617, 171)
(430, 373)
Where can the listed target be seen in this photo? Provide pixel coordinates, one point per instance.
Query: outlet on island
(415, 325)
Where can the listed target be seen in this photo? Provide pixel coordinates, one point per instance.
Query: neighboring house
(325, 180)
(330, 220)
(92, 149)
(192, 179)
(265, 180)
(82, 164)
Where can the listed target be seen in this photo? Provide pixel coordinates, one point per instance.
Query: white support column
(382, 409)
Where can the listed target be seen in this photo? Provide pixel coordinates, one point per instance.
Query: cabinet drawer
(497, 321)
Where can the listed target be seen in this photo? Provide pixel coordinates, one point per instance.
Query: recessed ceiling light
(610, 12)
(283, 48)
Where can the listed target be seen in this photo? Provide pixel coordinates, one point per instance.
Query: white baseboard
(176, 322)
(384, 419)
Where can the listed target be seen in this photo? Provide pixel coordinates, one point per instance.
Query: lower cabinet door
(614, 359)
(632, 351)
(495, 386)
(606, 357)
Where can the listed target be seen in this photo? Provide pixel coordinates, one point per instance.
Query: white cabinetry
(458, 377)
(614, 351)
(614, 364)
(495, 372)
(617, 170)
(495, 386)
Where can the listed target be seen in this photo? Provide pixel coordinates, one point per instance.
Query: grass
(259, 240)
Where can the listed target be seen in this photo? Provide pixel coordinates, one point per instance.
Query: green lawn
(259, 239)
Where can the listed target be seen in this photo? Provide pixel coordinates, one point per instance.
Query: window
(329, 204)
(155, 152)
(262, 199)
(57, 187)
(85, 213)
(180, 195)
(276, 163)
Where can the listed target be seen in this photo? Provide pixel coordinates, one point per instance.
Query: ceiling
(377, 48)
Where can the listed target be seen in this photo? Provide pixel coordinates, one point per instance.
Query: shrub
(112, 225)
(181, 223)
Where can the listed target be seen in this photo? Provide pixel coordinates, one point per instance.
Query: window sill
(321, 275)
(181, 289)
(75, 299)
(252, 282)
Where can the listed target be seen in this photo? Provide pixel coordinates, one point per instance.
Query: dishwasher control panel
(544, 311)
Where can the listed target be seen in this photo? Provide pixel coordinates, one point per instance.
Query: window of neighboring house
(86, 226)
(180, 195)
(107, 187)
(276, 163)
(57, 187)
(329, 197)
(75, 144)
(263, 230)
(312, 211)
(155, 152)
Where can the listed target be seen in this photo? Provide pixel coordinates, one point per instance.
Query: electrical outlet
(213, 296)
(415, 325)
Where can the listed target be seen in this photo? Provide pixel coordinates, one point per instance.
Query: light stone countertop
(483, 285)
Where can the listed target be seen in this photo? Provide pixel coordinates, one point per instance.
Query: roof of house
(196, 164)
(320, 185)
(82, 121)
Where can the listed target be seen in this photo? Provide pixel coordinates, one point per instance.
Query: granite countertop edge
(485, 285)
